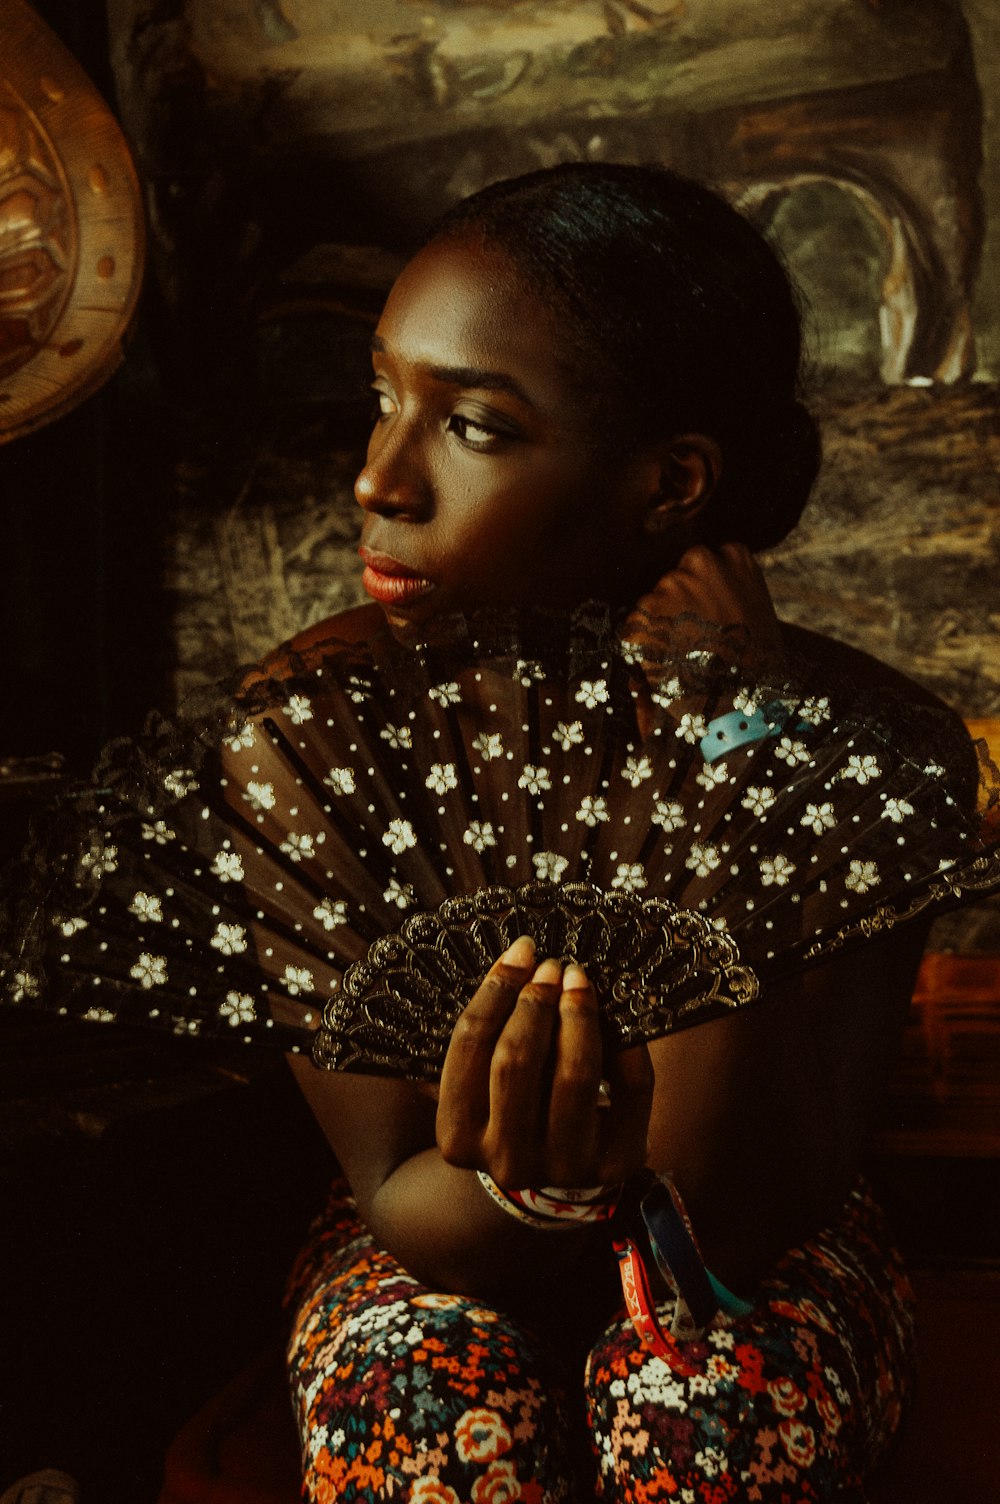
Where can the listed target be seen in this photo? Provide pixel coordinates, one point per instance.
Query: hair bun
(768, 473)
(802, 453)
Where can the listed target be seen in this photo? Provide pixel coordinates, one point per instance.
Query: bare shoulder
(356, 624)
(868, 672)
(949, 739)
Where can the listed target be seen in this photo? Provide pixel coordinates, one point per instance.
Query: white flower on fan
(360, 689)
(549, 866)
(240, 738)
(593, 809)
(776, 870)
(535, 780)
(99, 1016)
(238, 1008)
(489, 745)
(897, 810)
(629, 877)
(446, 694)
(631, 652)
(592, 692)
(69, 925)
(330, 913)
(712, 774)
(149, 971)
(399, 837)
(401, 894)
(862, 876)
(260, 796)
(442, 777)
(664, 695)
(758, 799)
(228, 867)
(230, 939)
(815, 710)
(301, 848)
(703, 858)
(159, 831)
(744, 700)
(669, 814)
(398, 737)
(479, 835)
(298, 709)
(297, 979)
(691, 727)
(636, 770)
(147, 906)
(527, 669)
(180, 781)
(568, 734)
(819, 817)
(934, 770)
(101, 861)
(341, 780)
(25, 985)
(791, 751)
(863, 768)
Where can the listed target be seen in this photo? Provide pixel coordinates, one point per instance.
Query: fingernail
(549, 972)
(574, 977)
(521, 953)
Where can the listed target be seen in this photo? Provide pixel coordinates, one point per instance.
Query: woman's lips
(390, 583)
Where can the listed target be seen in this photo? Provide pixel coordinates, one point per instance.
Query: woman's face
(483, 483)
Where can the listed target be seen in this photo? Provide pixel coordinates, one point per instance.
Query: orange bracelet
(642, 1310)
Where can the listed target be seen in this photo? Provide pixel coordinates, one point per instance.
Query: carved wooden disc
(72, 237)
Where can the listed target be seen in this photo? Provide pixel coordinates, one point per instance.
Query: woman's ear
(689, 469)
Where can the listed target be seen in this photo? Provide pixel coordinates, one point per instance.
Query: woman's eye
(474, 435)
(382, 404)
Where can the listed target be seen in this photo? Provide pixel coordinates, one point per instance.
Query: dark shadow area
(145, 1253)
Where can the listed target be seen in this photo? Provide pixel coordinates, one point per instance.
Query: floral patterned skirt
(403, 1393)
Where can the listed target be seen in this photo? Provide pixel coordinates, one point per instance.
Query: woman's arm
(519, 1099)
(764, 1117)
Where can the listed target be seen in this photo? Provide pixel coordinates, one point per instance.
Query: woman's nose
(392, 479)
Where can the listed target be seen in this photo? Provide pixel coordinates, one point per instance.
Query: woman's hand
(723, 586)
(520, 1092)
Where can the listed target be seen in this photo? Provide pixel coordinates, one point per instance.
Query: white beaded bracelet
(554, 1208)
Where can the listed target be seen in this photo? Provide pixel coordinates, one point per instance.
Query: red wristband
(642, 1310)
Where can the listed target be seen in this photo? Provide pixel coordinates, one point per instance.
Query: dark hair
(682, 315)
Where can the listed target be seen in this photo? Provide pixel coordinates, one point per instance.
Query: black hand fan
(332, 859)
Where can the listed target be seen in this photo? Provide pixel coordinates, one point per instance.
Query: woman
(587, 387)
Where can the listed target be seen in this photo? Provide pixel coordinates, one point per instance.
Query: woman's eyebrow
(474, 376)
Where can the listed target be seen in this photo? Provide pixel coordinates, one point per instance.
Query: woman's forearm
(435, 1218)
(443, 1227)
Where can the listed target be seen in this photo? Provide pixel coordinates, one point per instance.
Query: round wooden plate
(72, 236)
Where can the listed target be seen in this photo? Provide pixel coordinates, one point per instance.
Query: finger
(738, 554)
(573, 1103)
(698, 560)
(464, 1096)
(519, 1075)
(631, 1081)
